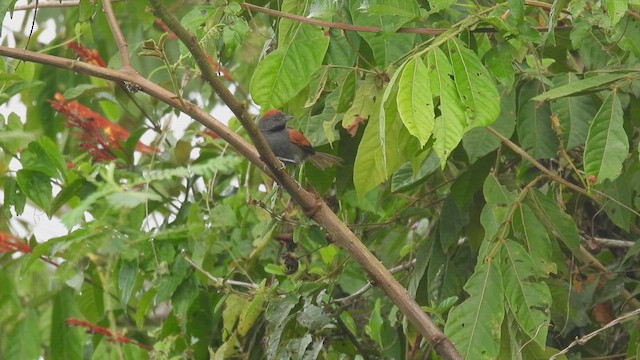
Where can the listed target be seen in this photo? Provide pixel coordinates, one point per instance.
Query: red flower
(11, 244)
(86, 55)
(111, 336)
(98, 135)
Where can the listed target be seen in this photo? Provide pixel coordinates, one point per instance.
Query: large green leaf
(618, 207)
(534, 237)
(580, 86)
(528, 299)
(376, 161)
(24, 341)
(286, 71)
(450, 125)
(36, 186)
(535, 132)
(574, 113)
(476, 87)
(66, 342)
(607, 144)
(387, 46)
(363, 104)
(499, 61)
(616, 9)
(415, 103)
(556, 221)
(494, 213)
(474, 325)
(478, 142)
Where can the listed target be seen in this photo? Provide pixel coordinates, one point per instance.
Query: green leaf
(131, 199)
(127, 275)
(376, 161)
(286, 71)
(528, 299)
(88, 90)
(251, 312)
(18, 87)
(574, 114)
(450, 125)
(555, 220)
(347, 92)
(277, 315)
(630, 32)
(44, 156)
(474, 325)
(374, 327)
(618, 207)
(494, 213)
(499, 61)
(405, 179)
(415, 103)
(607, 144)
(616, 9)
(66, 342)
(13, 196)
(554, 14)
(535, 238)
(387, 46)
(477, 90)
(580, 86)
(478, 142)
(6, 7)
(535, 132)
(364, 101)
(36, 186)
(23, 342)
(91, 300)
(313, 317)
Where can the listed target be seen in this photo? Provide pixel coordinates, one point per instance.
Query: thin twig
(220, 282)
(396, 269)
(123, 47)
(51, 4)
(583, 340)
(613, 243)
(371, 29)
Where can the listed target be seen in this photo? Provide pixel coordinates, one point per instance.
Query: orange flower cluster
(111, 336)
(86, 55)
(97, 135)
(11, 244)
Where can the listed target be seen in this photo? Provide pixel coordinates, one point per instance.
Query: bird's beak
(287, 118)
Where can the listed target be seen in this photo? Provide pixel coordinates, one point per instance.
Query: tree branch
(123, 47)
(370, 29)
(583, 340)
(50, 4)
(311, 204)
(154, 90)
(585, 256)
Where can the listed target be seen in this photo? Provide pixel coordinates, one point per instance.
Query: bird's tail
(323, 160)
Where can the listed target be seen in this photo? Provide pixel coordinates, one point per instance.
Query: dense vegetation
(490, 162)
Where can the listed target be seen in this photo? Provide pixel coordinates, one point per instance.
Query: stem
(312, 205)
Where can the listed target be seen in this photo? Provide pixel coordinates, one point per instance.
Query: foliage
(177, 248)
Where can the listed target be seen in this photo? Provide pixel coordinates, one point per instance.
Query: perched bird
(289, 145)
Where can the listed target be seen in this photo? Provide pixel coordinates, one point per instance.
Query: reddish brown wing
(297, 138)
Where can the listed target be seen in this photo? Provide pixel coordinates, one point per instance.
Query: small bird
(289, 145)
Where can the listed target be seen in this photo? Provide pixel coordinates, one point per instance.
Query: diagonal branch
(583, 340)
(311, 204)
(151, 88)
(123, 47)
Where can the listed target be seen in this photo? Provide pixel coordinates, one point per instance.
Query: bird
(289, 145)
